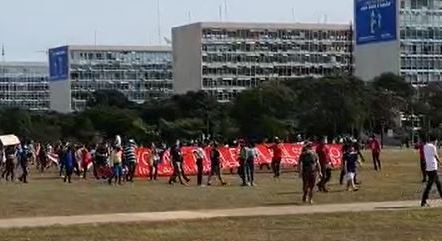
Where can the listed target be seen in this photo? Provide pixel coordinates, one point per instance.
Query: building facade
(224, 59)
(413, 46)
(141, 73)
(24, 85)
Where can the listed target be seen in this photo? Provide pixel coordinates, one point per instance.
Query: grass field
(375, 226)
(47, 195)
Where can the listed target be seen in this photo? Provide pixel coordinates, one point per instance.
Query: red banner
(229, 158)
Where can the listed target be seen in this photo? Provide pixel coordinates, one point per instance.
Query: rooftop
(163, 48)
(272, 26)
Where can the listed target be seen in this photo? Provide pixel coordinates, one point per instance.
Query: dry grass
(47, 196)
(375, 226)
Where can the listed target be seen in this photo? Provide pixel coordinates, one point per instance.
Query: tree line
(313, 107)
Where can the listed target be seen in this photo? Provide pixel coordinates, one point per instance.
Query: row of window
(287, 71)
(121, 75)
(421, 48)
(421, 34)
(421, 63)
(284, 34)
(125, 56)
(277, 58)
(253, 47)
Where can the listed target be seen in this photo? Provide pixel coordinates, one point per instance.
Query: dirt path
(204, 214)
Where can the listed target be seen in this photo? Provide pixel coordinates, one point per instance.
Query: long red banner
(229, 158)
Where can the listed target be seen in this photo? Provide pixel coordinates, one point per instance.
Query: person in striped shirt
(130, 158)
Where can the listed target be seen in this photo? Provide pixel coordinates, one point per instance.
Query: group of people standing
(13, 157)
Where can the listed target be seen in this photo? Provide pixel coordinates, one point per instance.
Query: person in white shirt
(249, 167)
(199, 156)
(431, 163)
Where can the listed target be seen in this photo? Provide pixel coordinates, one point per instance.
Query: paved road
(205, 214)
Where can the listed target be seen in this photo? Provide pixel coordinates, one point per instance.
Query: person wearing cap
(309, 167)
(277, 157)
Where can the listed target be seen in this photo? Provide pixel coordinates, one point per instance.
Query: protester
(130, 158)
(242, 162)
(351, 160)
(68, 160)
(215, 165)
(309, 167)
(375, 147)
(10, 154)
(176, 155)
(277, 157)
(249, 167)
(199, 157)
(100, 160)
(42, 158)
(420, 147)
(116, 161)
(432, 161)
(24, 155)
(322, 152)
(86, 159)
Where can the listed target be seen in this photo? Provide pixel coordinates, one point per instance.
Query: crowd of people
(116, 160)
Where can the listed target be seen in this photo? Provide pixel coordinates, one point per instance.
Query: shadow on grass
(282, 204)
(392, 208)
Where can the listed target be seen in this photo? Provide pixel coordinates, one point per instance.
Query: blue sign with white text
(58, 64)
(375, 21)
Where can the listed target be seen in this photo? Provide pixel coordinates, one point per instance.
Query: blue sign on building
(375, 21)
(58, 63)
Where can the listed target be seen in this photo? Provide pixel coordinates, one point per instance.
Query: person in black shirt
(10, 153)
(215, 165)
(175, 154)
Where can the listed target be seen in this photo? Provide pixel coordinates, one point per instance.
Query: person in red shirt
(322, 152)
(420, 147)
(277, 157)
(375, 147)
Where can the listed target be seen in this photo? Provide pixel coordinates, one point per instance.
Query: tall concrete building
(224, 59)
(403, 37)
(140, 72)
(24, 85)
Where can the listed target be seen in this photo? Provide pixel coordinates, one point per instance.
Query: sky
(29, 27)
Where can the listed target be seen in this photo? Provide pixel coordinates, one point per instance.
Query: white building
(24, 85)
(140, 72)
(225, 58)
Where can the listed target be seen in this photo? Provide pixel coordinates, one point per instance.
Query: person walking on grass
(351, 161)
(10, 156)
(199, 157)
(242, 162)
(153, 162)
(215, 165)
(326, 166)
(432, 161)
(375, 147)
(68, 160)
(308, 168)
(130, 157)
(420, 148)
(277, 157)
(249, 167)
(177, 159)
(116, 161)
